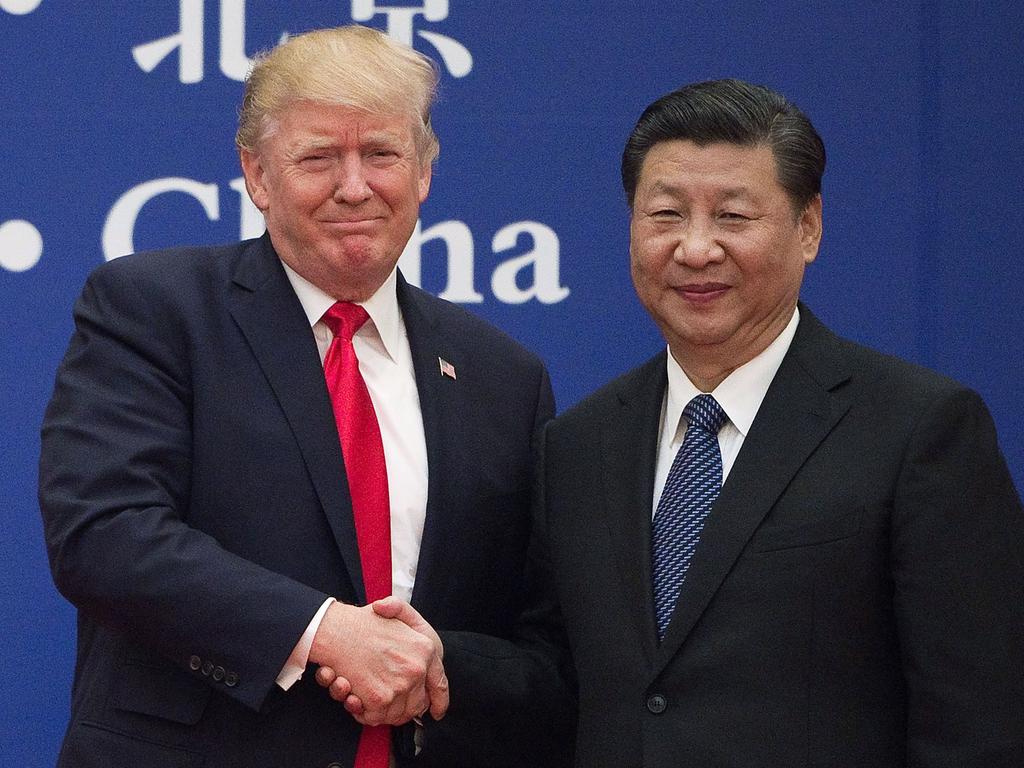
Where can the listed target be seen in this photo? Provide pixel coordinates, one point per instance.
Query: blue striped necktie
(690, 491)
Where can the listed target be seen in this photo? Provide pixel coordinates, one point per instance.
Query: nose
(698, 246)
(350, 185)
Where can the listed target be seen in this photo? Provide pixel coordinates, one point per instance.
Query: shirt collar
(382, 306)
(741, 392)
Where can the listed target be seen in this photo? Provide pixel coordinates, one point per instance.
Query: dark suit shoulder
(160, 303)
(172, 268)
(897, 401)
(475, 334)
(647, 380)
(830, 358)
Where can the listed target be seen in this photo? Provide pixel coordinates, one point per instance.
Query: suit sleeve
(114, 476)
(957, 547)
(512, 701)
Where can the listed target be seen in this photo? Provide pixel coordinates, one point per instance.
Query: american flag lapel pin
(447, 369)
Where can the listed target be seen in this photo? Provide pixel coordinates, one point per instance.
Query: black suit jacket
(856, 599)
(196, 510)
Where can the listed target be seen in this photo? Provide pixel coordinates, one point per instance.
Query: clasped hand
(382, 661)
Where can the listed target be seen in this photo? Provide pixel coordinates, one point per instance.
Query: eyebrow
(670, 187)
(372, 138)
(310, 145)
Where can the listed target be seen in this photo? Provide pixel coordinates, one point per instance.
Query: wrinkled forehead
(317, 123)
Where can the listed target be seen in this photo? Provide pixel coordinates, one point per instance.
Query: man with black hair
(767, 546)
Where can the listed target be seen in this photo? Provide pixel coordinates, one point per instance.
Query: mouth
(350, 225)
(702, 293)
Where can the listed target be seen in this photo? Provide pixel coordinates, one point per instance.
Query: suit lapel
(628, 444)
(269, 314)
(798, 411)
(440, 397)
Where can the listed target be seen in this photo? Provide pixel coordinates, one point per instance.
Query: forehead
(679, 166)
(311, 122)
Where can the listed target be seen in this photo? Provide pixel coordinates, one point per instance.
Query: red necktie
(363, 451)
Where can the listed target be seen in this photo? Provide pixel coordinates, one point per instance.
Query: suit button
(230, 679)
(656, 704)
(218, 673)
(335, 765)
(207, 668)
(194, 663)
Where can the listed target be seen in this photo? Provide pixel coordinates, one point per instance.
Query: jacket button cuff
(195, 663)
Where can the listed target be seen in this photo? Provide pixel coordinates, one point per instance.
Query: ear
(426, 170)
(255, 178)
(810, 229)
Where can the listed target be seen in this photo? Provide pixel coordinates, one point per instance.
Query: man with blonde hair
(247, 444)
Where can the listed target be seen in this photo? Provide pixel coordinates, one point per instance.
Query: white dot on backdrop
(21, 245)
(19, 7)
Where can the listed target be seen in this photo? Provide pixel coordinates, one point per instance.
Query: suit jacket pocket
(160, 691)
(770, 538)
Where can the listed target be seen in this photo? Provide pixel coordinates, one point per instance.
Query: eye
(666, 213)
(314, 160)
(733, 218)
(383, 153)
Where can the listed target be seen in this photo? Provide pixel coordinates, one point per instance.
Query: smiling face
(717, 252)
(340, 190)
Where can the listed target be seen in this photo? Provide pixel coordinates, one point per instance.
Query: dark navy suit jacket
(196, 511)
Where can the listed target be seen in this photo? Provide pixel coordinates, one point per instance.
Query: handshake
(382, 661)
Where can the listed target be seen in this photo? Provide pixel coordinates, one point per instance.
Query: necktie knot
(705, 413)
(344, 319)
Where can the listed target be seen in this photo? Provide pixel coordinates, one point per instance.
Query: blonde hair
(353, 66)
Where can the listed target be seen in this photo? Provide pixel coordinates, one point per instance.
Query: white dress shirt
(385, 362)
(740, 395)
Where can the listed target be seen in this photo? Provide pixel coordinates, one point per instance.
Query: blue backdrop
(117, 123)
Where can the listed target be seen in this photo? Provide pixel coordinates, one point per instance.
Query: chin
(346, 260)
(700, 334)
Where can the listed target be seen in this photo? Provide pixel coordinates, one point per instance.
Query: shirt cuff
(296, 664)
